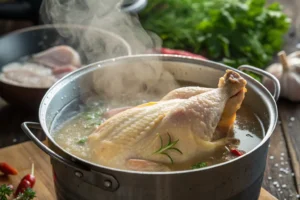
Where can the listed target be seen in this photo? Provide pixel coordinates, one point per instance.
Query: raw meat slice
(27, 78)
(58, 56)
(38, 69)
(27, 75)
(63, 69)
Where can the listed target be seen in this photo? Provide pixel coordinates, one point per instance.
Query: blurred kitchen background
(17, 14)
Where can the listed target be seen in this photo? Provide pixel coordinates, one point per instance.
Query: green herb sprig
(5, 191)
(82, 140)
(234, 32)
(199, 165)
(28, 194)
(93, 117)
(170, 146)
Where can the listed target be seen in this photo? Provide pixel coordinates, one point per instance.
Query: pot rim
(176, 58)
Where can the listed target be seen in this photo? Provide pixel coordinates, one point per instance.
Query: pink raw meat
(63, 69)
(60, 72)
(58, 56)
(27, 78)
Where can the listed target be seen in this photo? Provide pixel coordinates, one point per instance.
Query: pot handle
(266, 74)
(26, 128)
(105, 181)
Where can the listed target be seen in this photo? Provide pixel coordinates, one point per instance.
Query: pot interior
(128, 77)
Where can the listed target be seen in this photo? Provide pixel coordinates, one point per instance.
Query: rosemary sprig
(170, 146)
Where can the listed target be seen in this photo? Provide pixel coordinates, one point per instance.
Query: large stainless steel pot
(78, 179)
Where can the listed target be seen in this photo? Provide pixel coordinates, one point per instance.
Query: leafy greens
(234, 32)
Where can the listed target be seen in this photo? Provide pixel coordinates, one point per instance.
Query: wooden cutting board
(21, 157)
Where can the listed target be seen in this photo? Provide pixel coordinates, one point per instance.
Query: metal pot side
(240, 178)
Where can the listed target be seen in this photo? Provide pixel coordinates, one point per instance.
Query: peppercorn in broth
(73, 135)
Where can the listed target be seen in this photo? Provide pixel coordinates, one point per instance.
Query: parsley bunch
(233, 32)
(6, 191)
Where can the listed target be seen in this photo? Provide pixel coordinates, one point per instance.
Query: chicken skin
(187, 123)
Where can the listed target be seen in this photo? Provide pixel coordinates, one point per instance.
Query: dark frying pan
(26, 42)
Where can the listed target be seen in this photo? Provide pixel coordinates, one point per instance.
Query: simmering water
(72, 133)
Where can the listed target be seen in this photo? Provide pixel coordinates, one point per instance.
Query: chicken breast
(187, 123)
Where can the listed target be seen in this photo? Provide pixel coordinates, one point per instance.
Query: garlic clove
(290, 84)
(295, 54)
(288, 74)
(276, 70)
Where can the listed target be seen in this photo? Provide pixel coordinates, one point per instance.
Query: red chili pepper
(26, 182)
(236, 152)
(180, 52)
(7, 169)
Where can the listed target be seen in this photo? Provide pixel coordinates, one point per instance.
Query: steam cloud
(107, 15)
(103, 14)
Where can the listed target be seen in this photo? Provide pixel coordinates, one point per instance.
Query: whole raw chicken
(188, 123)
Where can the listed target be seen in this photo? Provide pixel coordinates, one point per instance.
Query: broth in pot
(189, 128)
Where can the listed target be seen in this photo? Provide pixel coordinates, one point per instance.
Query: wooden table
(282, 175)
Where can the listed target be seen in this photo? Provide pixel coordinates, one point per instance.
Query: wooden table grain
(22, 156)
(282, 174)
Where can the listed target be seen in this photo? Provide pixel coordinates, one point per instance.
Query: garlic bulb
(288, 74)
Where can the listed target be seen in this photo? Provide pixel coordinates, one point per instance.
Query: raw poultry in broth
(187, 124)
(188, 128)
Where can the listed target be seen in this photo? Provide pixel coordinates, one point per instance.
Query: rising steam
(103, 14)
(107, 15)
